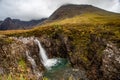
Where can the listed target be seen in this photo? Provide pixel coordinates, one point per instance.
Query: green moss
(84, 58)
(9, 77)
(22, 65)
(44, 78)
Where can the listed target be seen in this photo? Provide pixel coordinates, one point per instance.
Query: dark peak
(16, 20)
(71, 10)
(76, 5)
(8, 19)
(11, 24)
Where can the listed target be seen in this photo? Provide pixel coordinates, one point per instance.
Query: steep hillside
(13, 24)
(71, 10)
(90, 41)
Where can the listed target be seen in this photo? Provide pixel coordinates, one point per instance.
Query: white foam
(48, 63)
(42, 52)
(33, 63)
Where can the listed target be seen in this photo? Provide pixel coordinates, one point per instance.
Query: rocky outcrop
(15, 60)
(111, 62)
(99, 61)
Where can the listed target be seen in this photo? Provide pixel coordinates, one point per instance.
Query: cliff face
(15, 60)
(111, 62)
(100, 60)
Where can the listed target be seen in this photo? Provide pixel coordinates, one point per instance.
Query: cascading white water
(34, 66)
(42, 52)
(48, 63)
(31, 60)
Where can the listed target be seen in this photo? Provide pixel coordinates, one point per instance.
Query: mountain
(11, 24)
(71, 10)
(87, 36)
(82, 14)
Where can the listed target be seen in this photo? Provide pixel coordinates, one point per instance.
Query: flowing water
(33, 63)
(56, 68)
(42, 52)
(48, 63)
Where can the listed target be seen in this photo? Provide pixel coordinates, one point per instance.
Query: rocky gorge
(99, 61)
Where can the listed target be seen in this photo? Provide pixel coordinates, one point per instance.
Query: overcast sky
(36, 9)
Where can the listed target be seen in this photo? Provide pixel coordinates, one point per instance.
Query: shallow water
(58, 68)
(63, 71)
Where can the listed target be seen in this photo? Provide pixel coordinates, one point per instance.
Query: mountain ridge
(13, 24)
(72, 10)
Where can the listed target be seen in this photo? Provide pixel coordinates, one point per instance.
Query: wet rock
(46, 41)
(75, 74)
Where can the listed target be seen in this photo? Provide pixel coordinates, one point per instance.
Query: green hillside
(99, 24)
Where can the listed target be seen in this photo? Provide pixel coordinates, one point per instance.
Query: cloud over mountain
(36, 9)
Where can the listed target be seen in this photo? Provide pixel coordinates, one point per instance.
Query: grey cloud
(36, 9)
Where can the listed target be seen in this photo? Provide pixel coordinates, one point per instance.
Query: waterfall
(48, 63)
(33, 63)
(42, 52)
